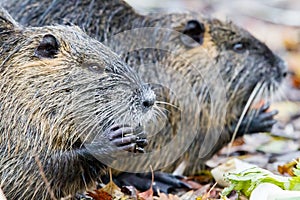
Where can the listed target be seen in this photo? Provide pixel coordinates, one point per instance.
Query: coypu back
(111, 16)
(199, 44)
(61, 91)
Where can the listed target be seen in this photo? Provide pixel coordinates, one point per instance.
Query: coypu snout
(148, 99)
(282, 70)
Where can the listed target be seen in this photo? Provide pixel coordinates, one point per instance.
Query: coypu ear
(7, 23)
(48, 47)
(195, 31)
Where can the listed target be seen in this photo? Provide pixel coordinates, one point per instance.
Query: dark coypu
(59, 90)
(244, 62)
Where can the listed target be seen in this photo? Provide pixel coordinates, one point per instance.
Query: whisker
(169, 104)
(246, 108)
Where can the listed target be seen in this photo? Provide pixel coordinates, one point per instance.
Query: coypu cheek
(48, 47)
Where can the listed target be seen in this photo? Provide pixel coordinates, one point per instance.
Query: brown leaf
(208, 194)
(100, 195)
(163, 196)
(288, 167)
(147, 195)
(198, 194)
(108, 192)
(197, 181)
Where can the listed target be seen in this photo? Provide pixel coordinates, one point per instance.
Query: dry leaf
(100, 195)
(163, 196)
(279, 146)
(108, 192)
(288, 168)
(147, 195)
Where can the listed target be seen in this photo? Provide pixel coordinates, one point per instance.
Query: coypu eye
(195, 30)
(239, 47)
(94, 67)
(47, 48)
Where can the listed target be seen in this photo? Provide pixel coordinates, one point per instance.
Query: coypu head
(246, 65)
(59, 86)
(243, 61)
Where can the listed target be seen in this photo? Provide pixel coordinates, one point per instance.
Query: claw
(124, 140)
(268, 115)
(120, 132)
(261, 121)
(142, 142)
(265, 107)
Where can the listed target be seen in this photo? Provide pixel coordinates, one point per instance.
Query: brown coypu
(243, 61)
(61, 91)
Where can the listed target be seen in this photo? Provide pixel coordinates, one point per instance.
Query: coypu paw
(163, 182)
(126, 139)
(258, 120)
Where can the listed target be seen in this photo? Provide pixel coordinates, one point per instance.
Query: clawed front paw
(127, 138)
(265, 120)
(258, 120)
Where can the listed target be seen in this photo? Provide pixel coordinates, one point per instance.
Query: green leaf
(249, 179)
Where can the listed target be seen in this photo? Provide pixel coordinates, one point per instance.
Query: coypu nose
(282, 70)
(148, 98)
(147, 103)
(284, 74)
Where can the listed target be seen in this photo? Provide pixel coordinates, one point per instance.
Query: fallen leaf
(188, 195)
(268, 191)
(288, 168)
(208, 194)
(279, 146)
(163, 196)
(100, 195)
(108, 192)
(233, 166)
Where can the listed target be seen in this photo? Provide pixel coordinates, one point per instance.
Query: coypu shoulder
(62, 91)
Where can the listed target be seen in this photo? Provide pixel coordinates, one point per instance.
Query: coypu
(62, 91)
(243, 61)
